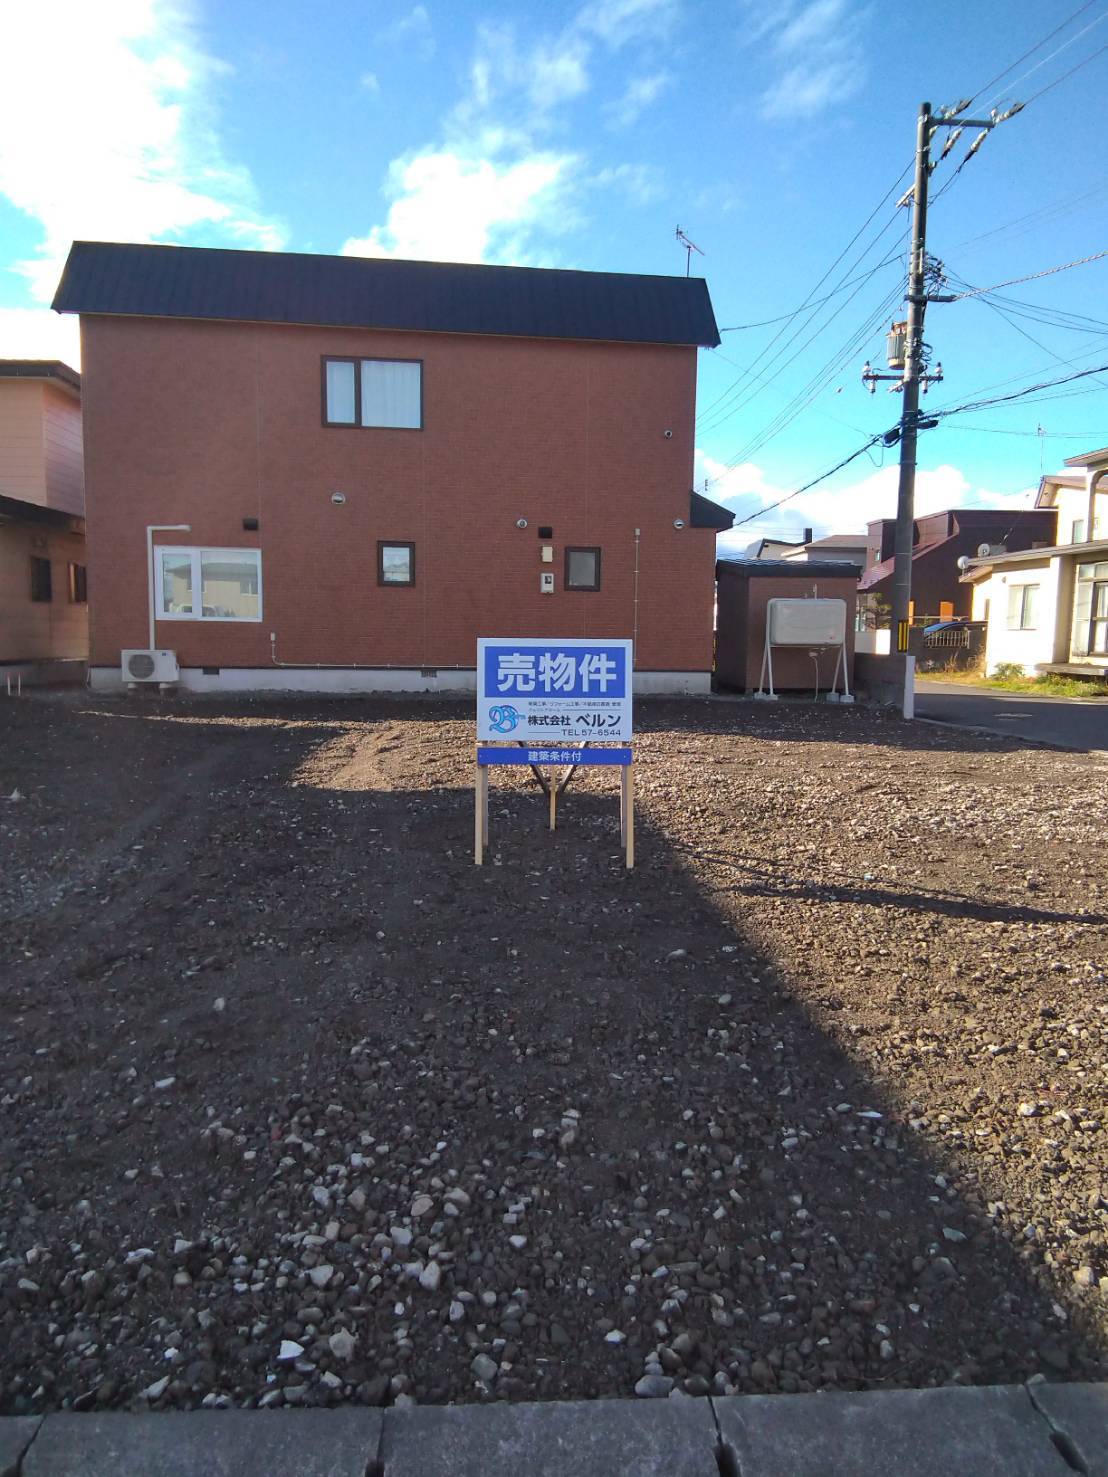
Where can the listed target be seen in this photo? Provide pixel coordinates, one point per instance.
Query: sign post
(543, 702)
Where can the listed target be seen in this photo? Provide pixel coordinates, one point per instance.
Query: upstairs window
(582, 569)
(1077, 531)
(42, 589)
(373, 392)
(209, 584)
(78, 584)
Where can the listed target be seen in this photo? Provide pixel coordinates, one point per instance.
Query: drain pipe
(635, 614)
(151, 530)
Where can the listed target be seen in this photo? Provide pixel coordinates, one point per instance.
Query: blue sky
(581, 135)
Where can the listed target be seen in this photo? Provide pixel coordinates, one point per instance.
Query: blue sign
(554, 693)
(553, 756)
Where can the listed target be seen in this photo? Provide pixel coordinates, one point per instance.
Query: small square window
(78, 584)
(582, 569)
(395, 564)
(42, 588)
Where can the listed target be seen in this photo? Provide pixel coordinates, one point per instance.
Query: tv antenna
(690, 247)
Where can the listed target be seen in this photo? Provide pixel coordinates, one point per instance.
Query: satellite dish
(984, 550)
(964, 562)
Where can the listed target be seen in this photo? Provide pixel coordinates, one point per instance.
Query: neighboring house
(744, 589)
(849, 547)
(1047, 609)
(380, 461)
(939, 541)
(775, 548)
(43, 592)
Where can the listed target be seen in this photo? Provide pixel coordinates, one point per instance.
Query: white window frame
(194, 555)
(1025, 599)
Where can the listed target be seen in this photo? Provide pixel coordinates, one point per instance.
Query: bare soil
(299, 1106)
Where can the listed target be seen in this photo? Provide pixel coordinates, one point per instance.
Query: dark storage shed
(744, 587)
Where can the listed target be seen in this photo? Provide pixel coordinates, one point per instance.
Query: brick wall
(208, 424)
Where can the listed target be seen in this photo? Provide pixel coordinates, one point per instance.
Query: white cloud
(37, 333)
(413, 31)
(122, 143)
(491, 185)
(818, 48)
(640, 94)
(452, 208)
(837, 507)
(639, 181)
(370, 81)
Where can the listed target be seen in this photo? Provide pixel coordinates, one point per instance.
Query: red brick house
(379, 461)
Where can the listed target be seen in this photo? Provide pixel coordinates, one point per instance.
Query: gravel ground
(297, 1106)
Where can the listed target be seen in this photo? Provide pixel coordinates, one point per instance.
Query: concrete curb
(1035, 1430)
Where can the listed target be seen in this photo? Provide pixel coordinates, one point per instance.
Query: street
(1070, 723)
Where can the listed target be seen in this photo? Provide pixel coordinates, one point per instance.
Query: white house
(1047, 609)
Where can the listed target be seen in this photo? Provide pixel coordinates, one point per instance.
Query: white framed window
(386, 393)
(1077, 531)
(208, 584)
(1023, 607)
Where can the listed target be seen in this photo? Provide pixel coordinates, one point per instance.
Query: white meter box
(806, 622)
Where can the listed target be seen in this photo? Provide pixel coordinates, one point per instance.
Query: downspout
(635, 612)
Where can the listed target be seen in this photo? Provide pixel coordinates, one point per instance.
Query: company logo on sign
(503, 718)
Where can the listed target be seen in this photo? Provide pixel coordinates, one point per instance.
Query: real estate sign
(554, 693)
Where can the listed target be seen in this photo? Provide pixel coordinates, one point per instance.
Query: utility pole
(913, 363)
(914, 373)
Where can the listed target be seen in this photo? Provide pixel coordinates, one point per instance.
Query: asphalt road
(1069, 723)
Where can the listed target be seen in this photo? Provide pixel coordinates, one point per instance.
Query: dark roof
(40, 369)
(790, 568)
(704, 513)
(364, 292)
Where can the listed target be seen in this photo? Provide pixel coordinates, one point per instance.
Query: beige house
(1047, 609)
(43, 590)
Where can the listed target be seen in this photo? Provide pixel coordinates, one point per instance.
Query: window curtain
(391, 393)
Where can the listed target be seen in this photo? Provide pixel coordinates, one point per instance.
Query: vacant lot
(297, 1105)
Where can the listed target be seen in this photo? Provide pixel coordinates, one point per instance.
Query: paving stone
(992, 1431)
(1079, 1413)
(207, 1443)
(16, 1434)
(590, 1438)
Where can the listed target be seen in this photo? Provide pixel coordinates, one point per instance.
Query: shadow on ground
(662, 1153)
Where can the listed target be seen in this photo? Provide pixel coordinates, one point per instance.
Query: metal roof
(704, 513)
(362, 292)
(791, 568)
(40, 369)
(1087, 458)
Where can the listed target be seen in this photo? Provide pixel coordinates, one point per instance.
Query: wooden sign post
(489, 756)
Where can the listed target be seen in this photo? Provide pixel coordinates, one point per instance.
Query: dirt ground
(299, 1106)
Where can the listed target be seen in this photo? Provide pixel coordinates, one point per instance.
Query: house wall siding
(33, 630)
(211, 423)
(22, 456)
(62, 451)
(1024, 648)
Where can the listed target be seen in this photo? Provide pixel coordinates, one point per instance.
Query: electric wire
(1056, 52)
(1031, 52)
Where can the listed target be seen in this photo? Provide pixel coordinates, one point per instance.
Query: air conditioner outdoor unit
(144, 665)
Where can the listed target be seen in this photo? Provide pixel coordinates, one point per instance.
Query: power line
(854, 455)
(767, 322)
(1037, 46)
(1034, 276)
(1056, 52)
(1020, 394)
(1066, 75)
(807, 301)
